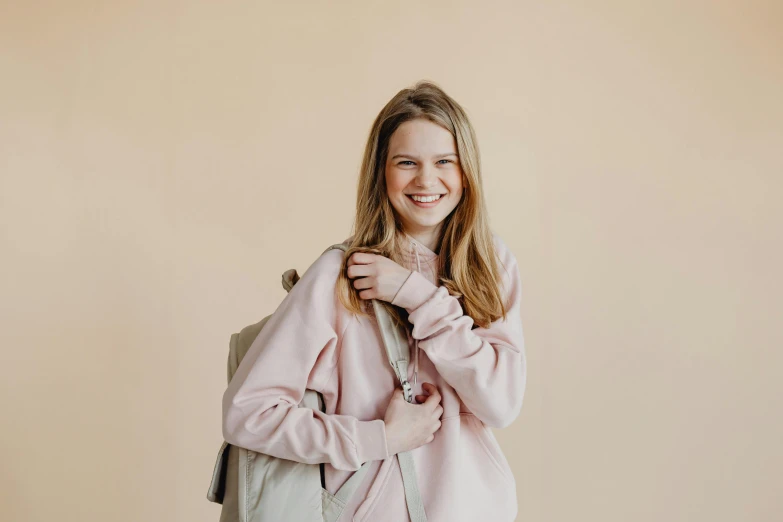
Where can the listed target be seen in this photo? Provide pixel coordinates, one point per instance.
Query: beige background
(157, 155)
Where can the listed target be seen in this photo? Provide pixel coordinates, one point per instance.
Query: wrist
(401, 284)
(392, 442)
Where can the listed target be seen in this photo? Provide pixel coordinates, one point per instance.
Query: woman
(423, 248)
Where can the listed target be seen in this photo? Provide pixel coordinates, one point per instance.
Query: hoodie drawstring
(415, 341)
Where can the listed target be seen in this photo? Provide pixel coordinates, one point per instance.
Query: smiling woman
(423, 251)
(423, 172)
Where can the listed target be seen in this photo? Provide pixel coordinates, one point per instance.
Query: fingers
(434, 398)
(433, 391)
(356, 270)
(364, 282)
(360, 258)
(429, 387)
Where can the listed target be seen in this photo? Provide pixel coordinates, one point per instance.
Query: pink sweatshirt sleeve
(486, 366)
(261, 404)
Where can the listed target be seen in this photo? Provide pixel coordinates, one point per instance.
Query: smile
(425, 201)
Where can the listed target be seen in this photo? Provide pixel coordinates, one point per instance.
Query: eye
(404, 161)
(447, 161)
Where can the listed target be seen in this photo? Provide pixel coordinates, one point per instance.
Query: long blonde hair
(467, 261)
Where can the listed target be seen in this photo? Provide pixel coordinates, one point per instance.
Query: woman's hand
(409, 425)
(377, 277)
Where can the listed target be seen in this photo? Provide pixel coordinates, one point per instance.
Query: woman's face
(423, 160)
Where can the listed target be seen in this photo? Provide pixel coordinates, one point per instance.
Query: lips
(425, 205)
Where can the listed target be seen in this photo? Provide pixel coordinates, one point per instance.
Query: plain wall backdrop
(163, 162)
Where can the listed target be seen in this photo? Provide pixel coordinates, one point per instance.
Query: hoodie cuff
(371, 442)
(414, 292)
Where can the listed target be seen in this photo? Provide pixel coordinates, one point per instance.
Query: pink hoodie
(313, 342)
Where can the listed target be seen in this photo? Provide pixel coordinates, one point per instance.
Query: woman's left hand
(377, 277)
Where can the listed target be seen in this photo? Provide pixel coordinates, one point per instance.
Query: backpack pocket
(217, 487)
(331, 506)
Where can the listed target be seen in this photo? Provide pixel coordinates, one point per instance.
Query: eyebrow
(414, 157)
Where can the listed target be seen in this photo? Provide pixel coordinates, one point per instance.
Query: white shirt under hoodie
(313, 342)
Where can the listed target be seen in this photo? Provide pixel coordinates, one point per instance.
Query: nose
(426, 178)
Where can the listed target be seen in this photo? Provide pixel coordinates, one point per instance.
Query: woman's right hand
(409, 425)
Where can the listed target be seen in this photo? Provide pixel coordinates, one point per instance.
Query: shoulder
(325, 270)
(511, 283)
(314, 296)
(504, 253)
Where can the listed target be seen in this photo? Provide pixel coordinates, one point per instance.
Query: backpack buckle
(401, 369)
(407, 391)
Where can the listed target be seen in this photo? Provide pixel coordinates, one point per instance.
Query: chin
(426, 224)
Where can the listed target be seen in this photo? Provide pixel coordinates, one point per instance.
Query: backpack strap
(397, 349)
(412, 495)
(396, 344)
(398, 352)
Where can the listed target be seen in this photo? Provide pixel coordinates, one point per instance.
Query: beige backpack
(254, 487)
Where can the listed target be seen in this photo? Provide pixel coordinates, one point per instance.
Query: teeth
(426, 199)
